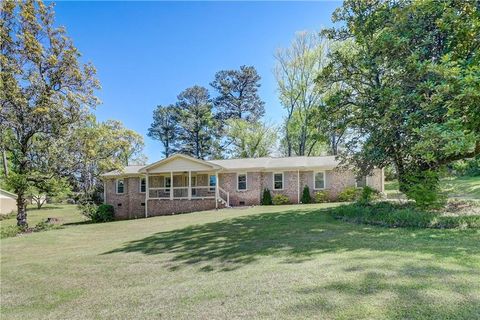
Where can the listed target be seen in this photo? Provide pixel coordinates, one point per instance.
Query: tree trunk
(21, 211)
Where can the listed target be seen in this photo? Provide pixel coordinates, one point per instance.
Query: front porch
(185, 185)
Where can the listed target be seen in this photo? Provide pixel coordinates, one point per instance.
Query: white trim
(246, 181)
(171, 185)
(324, 180)
(116, 186)
(140, 184)
(178, 155)
(273, 181)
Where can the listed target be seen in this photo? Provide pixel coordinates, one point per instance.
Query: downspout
(147, 194)
(298, 186)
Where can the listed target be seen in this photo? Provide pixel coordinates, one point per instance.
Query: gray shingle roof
(266, 163)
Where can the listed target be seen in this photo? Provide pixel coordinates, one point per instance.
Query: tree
(198, 130)
(238, 94)
(296, 71)
(44, 91)
(250, 139)
(101, 147)
(48, 188)
(164, 128)
(410, 75)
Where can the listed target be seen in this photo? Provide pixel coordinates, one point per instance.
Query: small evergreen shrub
(279, 199)
(349, 194)
(367, 195)
(266, 197)
(424, 188)
(322, 197)
(104, 213)
(306, 198)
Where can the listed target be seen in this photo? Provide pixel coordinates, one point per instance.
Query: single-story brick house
(184, 184)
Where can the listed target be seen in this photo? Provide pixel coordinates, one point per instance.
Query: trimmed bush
(322, 197)
(367, 195)
(306, 198)
(279, 199)
(104, 213)
(266, 197)
(424, 188)
(402, 215)
(349, 194)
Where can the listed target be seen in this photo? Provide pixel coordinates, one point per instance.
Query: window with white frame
(361, 182)
(120, 186)
(319, 180)
(278, 181)
(242, 181)
(143, 185)
(212, 182)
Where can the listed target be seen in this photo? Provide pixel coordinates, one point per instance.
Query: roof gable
(179, 162)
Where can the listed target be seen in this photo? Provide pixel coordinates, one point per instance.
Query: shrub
(349, 194)
(9, 231)
(279, 199)
(424, 188)
(402, 215)
(306, 198)
(367, 195)
(104, 213)
(44, 226)
(321, 197)
(266, 197)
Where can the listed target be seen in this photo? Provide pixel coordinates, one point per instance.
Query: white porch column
(171, 185)
(216, 190)
(147, 194)
(189, 185)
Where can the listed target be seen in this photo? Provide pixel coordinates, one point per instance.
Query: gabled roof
(260, 164)
(179, 156)
(6, 194)
(127, 170)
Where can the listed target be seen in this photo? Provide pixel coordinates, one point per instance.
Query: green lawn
(64, 212)
(263, 262)
(455, 187)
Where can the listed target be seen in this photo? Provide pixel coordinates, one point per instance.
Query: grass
(455, 187)
(66, 214)
(265, 262)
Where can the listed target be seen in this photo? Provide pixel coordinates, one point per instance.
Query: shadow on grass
(295, 235)
(414, 292)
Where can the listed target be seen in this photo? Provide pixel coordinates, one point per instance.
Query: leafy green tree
(101, 147)
(46, 189)
(250, 139)
(44, 91)
(238, 94)
(409, 77)
(198, 130)
(296, 70)
(164, 128)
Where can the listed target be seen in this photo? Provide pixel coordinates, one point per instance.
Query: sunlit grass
(265, 262)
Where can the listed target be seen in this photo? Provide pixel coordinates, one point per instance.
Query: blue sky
(147, 52)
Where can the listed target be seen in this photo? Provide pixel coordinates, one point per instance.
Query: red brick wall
(157, 207)
(129, 204)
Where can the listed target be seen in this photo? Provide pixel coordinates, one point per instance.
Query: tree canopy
(408, 74)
